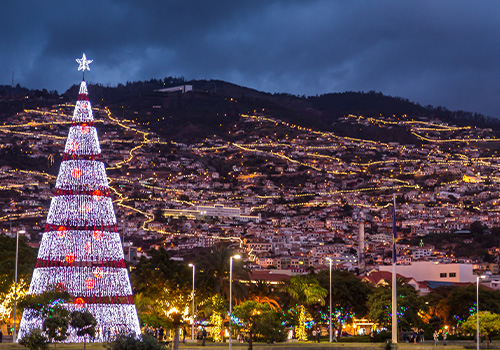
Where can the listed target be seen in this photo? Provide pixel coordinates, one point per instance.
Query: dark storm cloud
(434, 52)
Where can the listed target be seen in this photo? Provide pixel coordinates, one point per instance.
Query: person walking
(445, 335)
(203, 336)
(436, 337)
(318, 335)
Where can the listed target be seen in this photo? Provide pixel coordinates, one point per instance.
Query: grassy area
(428, 345)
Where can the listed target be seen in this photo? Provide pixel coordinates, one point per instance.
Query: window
(453, 274)
(442, 275)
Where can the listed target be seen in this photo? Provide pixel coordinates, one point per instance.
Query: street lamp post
(192, 325)
(237, 256)
(331, 333)
(477, 310)
(14, 335)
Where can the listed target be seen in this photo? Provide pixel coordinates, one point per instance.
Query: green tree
(46, 303)
(149, 311)
(48, 306)
(304, 290)
(343, 285)
(489, 325)
(35, 340)
(84, 324)
(457, 301)
(131, 342)
(162, 291)
(150, 274)
(409, 306)
(26, 261)
(56, 324)
(251, 319)
(270, 326)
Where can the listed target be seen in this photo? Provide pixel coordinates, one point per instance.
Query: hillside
(215, 104)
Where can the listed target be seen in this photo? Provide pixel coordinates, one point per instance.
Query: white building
(433, 271)
(180, 88)
(219, 210)
(421, 253)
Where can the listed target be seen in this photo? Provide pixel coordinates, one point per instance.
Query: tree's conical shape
(81, 249)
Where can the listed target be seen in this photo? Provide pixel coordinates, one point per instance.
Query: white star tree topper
(83, 63)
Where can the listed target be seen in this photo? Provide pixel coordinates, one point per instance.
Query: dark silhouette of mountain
(214, 105)
(14, 99)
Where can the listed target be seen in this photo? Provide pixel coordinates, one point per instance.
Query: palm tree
(305, 290)
(262, 293)
(214, 272)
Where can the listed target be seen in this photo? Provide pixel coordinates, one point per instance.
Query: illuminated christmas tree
(81, 250)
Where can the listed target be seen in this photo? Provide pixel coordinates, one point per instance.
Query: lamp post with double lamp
(237, 256)
(14, 335)
(331, 333)
(192, 325)
(477, 310)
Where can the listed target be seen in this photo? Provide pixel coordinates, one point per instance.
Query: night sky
(438, 52)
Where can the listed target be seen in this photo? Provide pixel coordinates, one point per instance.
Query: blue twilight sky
(439, 52)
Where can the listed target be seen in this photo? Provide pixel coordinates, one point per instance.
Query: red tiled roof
(268, 275)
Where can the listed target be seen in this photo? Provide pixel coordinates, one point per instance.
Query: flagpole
(394, 260)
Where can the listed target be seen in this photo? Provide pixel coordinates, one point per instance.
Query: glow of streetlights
(237, 256)
(14, 335)
(477, 310)
(330, 323)
(192, 325)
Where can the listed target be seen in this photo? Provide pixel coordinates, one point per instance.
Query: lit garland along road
(282, 156)
(121, 199)
(7, 128)
(145, 141)
(456, 140)
(325, 203)
(279, 155)
(315, 132)
(429, 127)
(419, 162)
(464, 161)
(31, 134)
(29, 214)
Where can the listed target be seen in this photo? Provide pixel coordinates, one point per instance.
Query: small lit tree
(489, 325)
(213, 309)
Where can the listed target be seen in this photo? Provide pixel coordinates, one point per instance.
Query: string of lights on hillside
(365, 166)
